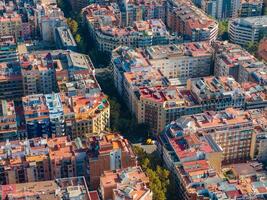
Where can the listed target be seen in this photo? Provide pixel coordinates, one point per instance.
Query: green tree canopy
(73, 25)
(158, 176)
(252, 47)
(223, 30)
(78, 38)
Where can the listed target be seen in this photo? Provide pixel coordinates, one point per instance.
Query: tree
(252, 47)
(73, 25)
(78, 38)
(158, 176)
(223, 30)
(145, 164)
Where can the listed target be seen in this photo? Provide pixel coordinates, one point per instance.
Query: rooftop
(195, 49)
(29, 151)
(232, 55)
(170, 96)
(17, 152)
(228, 117)
(129, 59)
(79, 61)
(254, 92)
(34, 61)
(81, 82)
(67, 188)
(88, 107)
(66, 36)
(106, 143)
(257, 21)
(10, 71)
(35, 106)
(215, 88)
(149, 78)
(129, 182)
(194, 17)
(251, 1)
(106, 20)
(8, 118)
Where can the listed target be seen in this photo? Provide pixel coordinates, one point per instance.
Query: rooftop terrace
(196, 49)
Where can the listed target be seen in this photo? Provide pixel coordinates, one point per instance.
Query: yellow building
(90, 115)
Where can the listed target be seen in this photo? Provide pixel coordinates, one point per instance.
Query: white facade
(249, 29)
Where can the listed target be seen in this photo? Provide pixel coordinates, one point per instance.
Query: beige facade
(10, 25)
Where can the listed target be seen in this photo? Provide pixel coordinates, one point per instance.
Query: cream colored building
(87, 116)
(10, 25)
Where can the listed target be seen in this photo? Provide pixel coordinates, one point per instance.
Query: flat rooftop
(229, 116)
(66, 36)
(74, 187)
(146, 78)
(257, 21)
(170, 96)
(35, 104)
(80, 61)
(196, 49)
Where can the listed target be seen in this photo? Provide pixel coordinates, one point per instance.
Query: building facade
(249, 29)
(109, 152)
(186, 19)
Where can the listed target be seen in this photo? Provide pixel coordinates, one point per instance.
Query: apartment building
(190, 157)
(219, 9)
(8, 120)
(224, 9)
(232, 60)
(131, 183)
(63, 158)
(217, 93)
(43, 115)
(250, 8)
(120, 63)
(70, 188)
(158, 106)
(134, 10)
(11, 86)
(39, 74)
(52, 18)
(10, 25)
(87, 116)
(231, 129)
(64, 39)
(42, 159)
(248, 29)
(56, 114)
(183, 61)
(73, 75)
(255, 95)
(105, 26)
(259, 137)
(210, 7)
(196, 156)
(108, 152)
(79, 83)
(8, 49)
(175, 62)
(134, 80)
(24, 161)
(186, 19)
